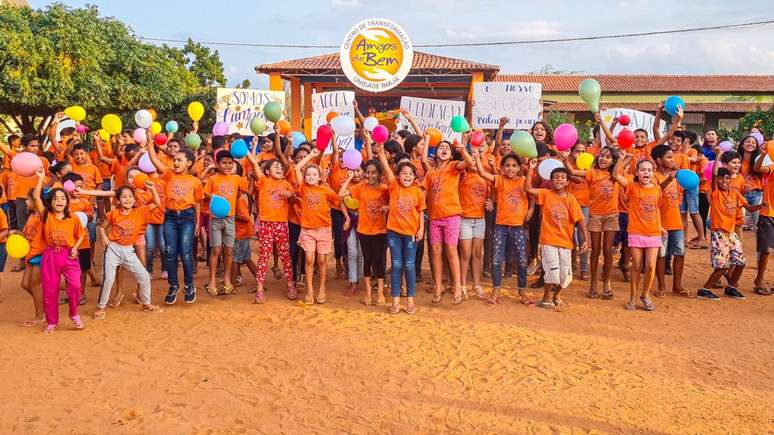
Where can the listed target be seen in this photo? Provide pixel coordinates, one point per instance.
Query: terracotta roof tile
(650, 107)
(649, 82)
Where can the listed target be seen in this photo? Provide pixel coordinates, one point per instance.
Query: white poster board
(638, 120)
(432, 113)
(237, 107)
(520, 102)
(340, 102)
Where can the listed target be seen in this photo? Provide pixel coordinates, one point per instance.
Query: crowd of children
(483, 210)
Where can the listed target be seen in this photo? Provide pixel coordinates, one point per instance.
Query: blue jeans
(91, 227)
(153, 233)
(753, 197)
(339, 243)
(179, 238)
(577, 236)
(403, 250)
(509, 239)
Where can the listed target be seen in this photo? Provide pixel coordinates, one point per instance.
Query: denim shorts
(674, 243)
(222, 232)
(242, 251)
(690, 203)
(472, 228)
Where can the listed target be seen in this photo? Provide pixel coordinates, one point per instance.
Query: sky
(733, 51)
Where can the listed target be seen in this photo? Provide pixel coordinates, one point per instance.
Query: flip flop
(260, 297)
(761, 291)
(437, 299)
(32, 322)
(98, 315)
(411, 310)
(115, 303)
(607, 294)
(394, 309)
(545, 305)
(152, 309)
(77, 323)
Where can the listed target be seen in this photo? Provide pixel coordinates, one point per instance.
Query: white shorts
(557, 265)
(472, 228)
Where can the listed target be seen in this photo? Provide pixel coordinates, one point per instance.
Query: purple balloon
(726, 146)
(758, 137)
(352, 159)
(140, 135)
(145, 164)
(220, 129)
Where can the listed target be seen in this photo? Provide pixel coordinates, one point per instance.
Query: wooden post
(295, 104)
(308, 110)
(476, 77)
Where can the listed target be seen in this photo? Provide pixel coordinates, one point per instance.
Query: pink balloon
(477, 138)
(68, 186)
(380, 134)
(220, 129)
(352, 159)
(324, 135)
(708, 171)
(565, 136)
(25, 164)
(140, 136)
(81, 129)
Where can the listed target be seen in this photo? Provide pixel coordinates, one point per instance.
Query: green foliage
(763, 119)
(554, 119)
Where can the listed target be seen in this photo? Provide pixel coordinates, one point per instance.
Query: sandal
(545, 305)
(320, 301)
(437, 298)
(77, 323)
(465, 293)
(229, 289)
(152, 309)
(32, 322)
(761, 291)
(115, 303)
(593, 294)
(394, 309)
(309, 300)
(277, 273)
(366, 302)
(50, 329)
(658, 293)
(82, 300)
(683, 293)
(479, 292)
(292, 293)
(630, 306)
(560, 306)
(260, 296)
(647, 304)
(99, 315)
(411, 309)
(607, 294)
(457, 300)
(211, 291)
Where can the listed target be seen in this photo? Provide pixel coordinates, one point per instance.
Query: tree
(763, 119)
(554, 119)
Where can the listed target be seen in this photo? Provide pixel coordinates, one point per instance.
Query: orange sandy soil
(225, 365)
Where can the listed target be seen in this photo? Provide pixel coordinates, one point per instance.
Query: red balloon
(477, 138)
(324, 135)
(625, 138)
(624, 120)
(380, 134)
(160, 139)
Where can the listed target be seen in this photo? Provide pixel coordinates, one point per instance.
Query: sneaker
(190, 296)
(706, 294)
(171, 297)
(732, 292)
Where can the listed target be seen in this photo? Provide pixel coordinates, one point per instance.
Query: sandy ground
(225, 365)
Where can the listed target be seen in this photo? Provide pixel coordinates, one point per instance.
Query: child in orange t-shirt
(354, 269)
(245, 228)
(579, 188)
(560, 214)
(82, 208)
(753, 182)
(33, 232)
(765, 231)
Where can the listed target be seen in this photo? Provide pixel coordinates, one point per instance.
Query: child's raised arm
(254, 163)
(677, 121)
(624, 159)
(155, 159)
(38, 189)
(388, 175)
(656, 130)
(156, 200)
(299, 168)
(530, 176)
(608, 134)
(499, 135)
(480, 168)
(570, 167)
(466, 161)
(97, 142)
(410, 119)
(344, 191)
(759, 168)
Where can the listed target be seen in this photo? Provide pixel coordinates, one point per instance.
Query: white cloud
(536, 29)
(346, 3)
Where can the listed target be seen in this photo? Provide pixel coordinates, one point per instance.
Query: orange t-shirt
(34, 234)
(443, 191)
(228, 187)
(23, 185)
(197, 167)
(244, 221)
(671, 198)
(640, 153)
(337, 176)
(752, 180)
(580, 190)
(558, 218)
(85, 206)
(3, 225)
(264, 156)
(120, 175)
(4, 185)
(604, 192)
(272, 207)
(623, 201)
(90, 174)
(512, 201)
(723, 207)
(768, 192)
(681, 160)
(737, 183)
(290, 176)
(62, 232)
(166, 159)
(420, 170)
(10, 184)
(473, 193)
(371, 219)
(157, 214)
(182, 191)
(316, 202)
(406, 203)
(124, 228)
(104, 168)
(644, 209)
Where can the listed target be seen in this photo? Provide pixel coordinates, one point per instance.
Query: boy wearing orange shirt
(765, 226)
(22, 185)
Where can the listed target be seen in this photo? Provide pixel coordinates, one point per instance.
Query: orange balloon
(435, 136)
(283, 126)
(770, 149)
(153, 113)
(329, 117)
(139, 179)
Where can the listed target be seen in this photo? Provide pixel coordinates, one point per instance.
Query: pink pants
(273, 234)
(55, 263)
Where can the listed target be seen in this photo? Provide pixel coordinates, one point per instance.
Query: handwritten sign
(520, 102)
(428, 112)
(340, 102)
(237, 107)
(638, 120)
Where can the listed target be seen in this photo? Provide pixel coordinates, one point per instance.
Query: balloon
(171, 127)
(324, 135)
(82, 217)
(352, 159)
(145, 164)
(380, 134)
(351, 203)
(195, 110)
(155, 127)
(547, 166)
(283, 127)
(25, 164)
(707, 171)
(523, 144)
(477, 138)
(81, 129)
(758, 137)
(160, 139)
(68, 186)
(565, 136)
(435, 136)
(17, 246)
(370, 123)
(140, 136)
(219, 129)
(103, 134)
(584, 161)
(143, 118)
(343, 125)
(625, 138)
(726, 146)
(624, 120)
(590, 91)
(239, 149)
(672, 103)
(139, 179)
(153, 113)
(112, 123)
(331, 116)
(431, 152)
(219, 207)
(272, 111)
(76, 113)
(459, 124)
(297, 138)
(193, 141)
(687, 179)
(767, 160)
(257, 126)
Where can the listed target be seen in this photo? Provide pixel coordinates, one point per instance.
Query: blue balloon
(431, 152)
(687, 179)
(672, 103)
(171, 126)
(297, 138)
(239, 149)
(359, 144)
(219, 207)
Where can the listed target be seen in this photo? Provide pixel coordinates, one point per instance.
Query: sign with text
(638, 120)
(237, 107)
(340, 102)
(376, 55)
(428, 112)
(520, 102)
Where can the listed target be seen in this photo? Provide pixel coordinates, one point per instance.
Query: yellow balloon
(156, 127)
(584, 161)
(17, 246)
(112, 123)
(195, 110)
(76, 113)
(103, 134)
(351, 203)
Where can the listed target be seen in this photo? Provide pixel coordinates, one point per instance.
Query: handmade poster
(340, 102)
(428, 112)
(237, 107)
(520, 102)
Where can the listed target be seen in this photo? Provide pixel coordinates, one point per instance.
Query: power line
(493, 43)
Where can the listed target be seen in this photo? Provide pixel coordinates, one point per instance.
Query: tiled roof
(651, 107)
(649, 82)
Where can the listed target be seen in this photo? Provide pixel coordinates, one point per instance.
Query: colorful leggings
(269, 235)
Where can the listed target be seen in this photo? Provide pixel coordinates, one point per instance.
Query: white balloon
(547, 166)
(343, 125)
(82, 217)
(143, 118)
(370, 123)
(766, 160)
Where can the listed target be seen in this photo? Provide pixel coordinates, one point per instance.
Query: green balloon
(459, 124)
(590, 91)
(257, 126)
(193, 141)
(523, 144)
(272, 111)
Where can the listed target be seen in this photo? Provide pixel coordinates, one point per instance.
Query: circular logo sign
(376, 55)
